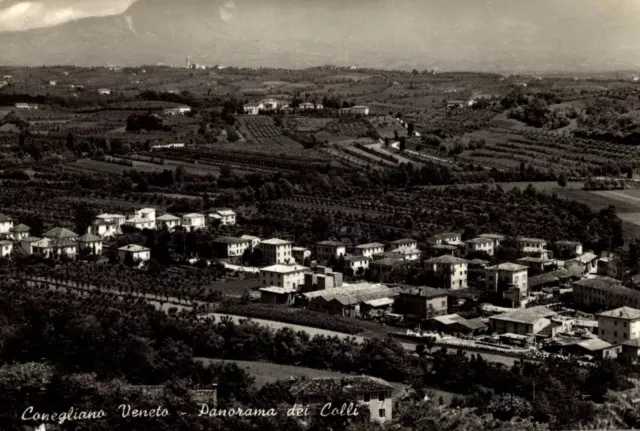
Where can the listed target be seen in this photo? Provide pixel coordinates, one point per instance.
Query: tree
(562, 180)
(403, 143)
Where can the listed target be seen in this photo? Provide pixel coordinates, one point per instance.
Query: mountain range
(402, 34)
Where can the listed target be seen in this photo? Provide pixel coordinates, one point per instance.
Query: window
(381, 396)
(381, 413)
(444, 303)
(615, 323)
(624, 335)
(624, 324)
(367, 398)
(615, 333)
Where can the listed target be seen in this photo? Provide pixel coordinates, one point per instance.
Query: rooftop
(405, 250)
(536, 240)
(531, 259)
(275, 241)
(427, 292)
(450, 319)
(585, 258)
(387, 261)
(447, 235)
(622, 313)
(447, 259)
(404, 241)
(565, 243)
(168, 217)
(4, 242)
(493, 236)
(327, 385)
(526, 315)
(20, 228)
(229, 240)
(549, 277)
(355, 294)
(599, 282)
(60, 233)
(278, 290)
(5, 218)
(507, 267)
(331, 243)
(479, 240)
(87, 237)
(594, 344)
(133, 248)
(193, 215)
(370, 245)
(356, 258)
(284, 269)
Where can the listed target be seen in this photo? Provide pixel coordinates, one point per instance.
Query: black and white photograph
(319, 215)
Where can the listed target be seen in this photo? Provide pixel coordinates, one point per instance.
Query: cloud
(23, 15)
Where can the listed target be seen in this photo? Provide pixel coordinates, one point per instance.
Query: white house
(254, 240)
(276, 251)
(404, 243)
(54, 248)
(19, 232)
(533, 246)
(5, 248)
(497, 238)
(510, 279)
(192, 222)
(619, 325)
(90, 242)
(136, 253)
(169, 221)
(569, 247)
(230, 246)
(290, 276)
(6, 224)
(252, 108)
(326, 249)
(407, 253)
(180, 110)
(373, 395)
(447, 238)
(270, 104)
(143, 219)
(107, 225)
(485, 245)
(354, 110)
(368, 250)
(300, 253)
(451, 271)
(357, 262)
(226, 216)
(104, 91)
(27, 106)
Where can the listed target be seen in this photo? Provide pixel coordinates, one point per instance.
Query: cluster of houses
(272, 105)
(59, 241)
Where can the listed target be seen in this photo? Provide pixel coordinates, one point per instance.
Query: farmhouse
(374, 395)
(422, 302)
(168, 221)
(619, 325)
(193, 222)
(291, 276)
(134, 253)
(276, 251)
(143, 219)
(450, 271)
(526, 321)
(19, 232)
(355, 110)
(480, 244)
(300, 254)
(509, 279)
(227, 246)
(104, 91)
(6, 223)
(270, 105)
(5, 248)
(56, 243)
(326, 249)
(226, 216)
(90, 244)
(368, 250)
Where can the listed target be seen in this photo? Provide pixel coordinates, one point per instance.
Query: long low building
(524, 321)
(604, 292)
(346, 300)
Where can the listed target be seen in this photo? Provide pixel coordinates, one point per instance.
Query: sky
(569, 33)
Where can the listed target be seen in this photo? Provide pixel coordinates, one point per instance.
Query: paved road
(507, 360)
